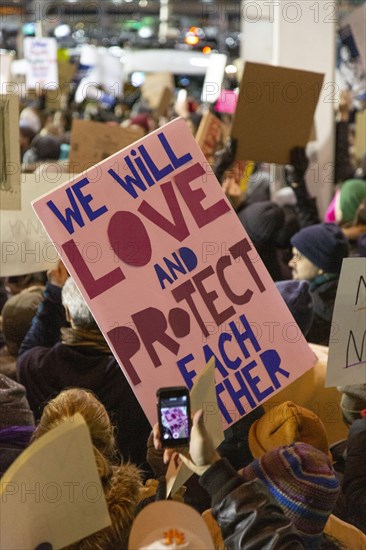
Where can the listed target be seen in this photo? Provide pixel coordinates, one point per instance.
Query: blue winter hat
(324, 244)
(303, 482)
(299, 300)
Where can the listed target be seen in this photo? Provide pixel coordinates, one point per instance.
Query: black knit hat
(262, 221)
(17, 314)
(324, 244)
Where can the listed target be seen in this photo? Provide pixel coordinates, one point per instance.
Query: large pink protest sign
(171, 276)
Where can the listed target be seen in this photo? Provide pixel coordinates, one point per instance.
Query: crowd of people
(277, 481)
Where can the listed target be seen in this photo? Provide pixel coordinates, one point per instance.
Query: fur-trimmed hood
(122, 493)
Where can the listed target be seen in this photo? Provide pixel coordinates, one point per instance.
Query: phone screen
(174, 418)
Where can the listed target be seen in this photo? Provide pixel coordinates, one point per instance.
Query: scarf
(93, 338)
(321, 279)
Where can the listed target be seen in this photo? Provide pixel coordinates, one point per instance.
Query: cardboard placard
(202, 396)
(53, 483)
(360, 139)
(275, 111)
(156, 90)
(10, 196)
(211, 135)
(165, 101)
(176, 280)
(6, 59)
(214, 77)
(41, 55)
(66, 73)
(25, 246)
(92, 142)
(347, 343)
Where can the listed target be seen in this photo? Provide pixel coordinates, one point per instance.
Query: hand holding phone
(174, 416)
(201, 454)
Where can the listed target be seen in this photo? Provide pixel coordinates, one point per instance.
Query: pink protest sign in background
(171, 276)
(227, 102)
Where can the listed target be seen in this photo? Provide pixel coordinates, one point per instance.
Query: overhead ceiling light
(231, 69)
(137, 78)
(145, 32)
(230, 41)
(61, 31)
(191, 39)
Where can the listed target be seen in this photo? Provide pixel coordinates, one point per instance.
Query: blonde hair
(75, 400)
(121, 484)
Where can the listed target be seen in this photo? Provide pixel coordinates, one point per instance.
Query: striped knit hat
(303, 482)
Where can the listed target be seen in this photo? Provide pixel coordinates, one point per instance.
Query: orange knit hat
(285, 424)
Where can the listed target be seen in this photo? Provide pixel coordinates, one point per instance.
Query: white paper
(347, 344)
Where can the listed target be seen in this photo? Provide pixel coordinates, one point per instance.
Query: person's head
(353, 192)
(169, 524)
(16, 421)
(303, 482)
(17, 283)
(284, 424)
(121, 483)
(14, 407)
(353, 401)
(77, 310)
(75, 400)
(29, 117)
(263, 221)
(46, 147)
(17, 314)
(26, 135)
(360, 216)
(318, 249)
(299, 300)
(144, 121)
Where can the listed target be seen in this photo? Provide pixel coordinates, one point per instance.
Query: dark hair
(27, 132)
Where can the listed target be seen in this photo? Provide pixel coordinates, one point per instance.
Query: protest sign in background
(171, 276)
(6, 59)
(25, 246)
(157, 89)
(9, 153)
(347, 343)
(275, 111)
(41, 56)
(214, 77)
(211, 135)
(92, 142)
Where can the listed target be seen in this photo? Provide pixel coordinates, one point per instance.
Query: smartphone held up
(174, 416)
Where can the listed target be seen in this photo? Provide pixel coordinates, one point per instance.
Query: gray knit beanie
(353, 401)
(14, 407)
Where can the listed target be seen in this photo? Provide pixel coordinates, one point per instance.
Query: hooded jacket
(46, 367)
(249, 517)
